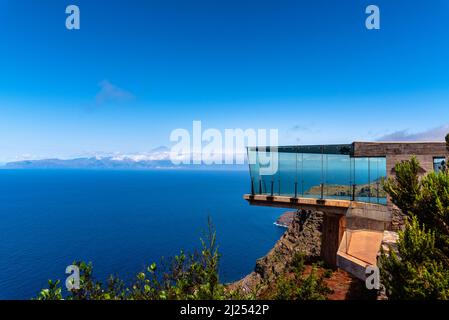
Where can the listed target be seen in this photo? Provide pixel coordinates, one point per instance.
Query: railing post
(272, 187)
(322, 190)
(369, 180)
(377, 191)
(252, 186)
(353, 192)
(296, 189)
(260, 186)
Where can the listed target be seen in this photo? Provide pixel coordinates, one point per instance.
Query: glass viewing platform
(321, 172)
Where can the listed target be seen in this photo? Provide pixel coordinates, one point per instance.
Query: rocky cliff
(302, 236)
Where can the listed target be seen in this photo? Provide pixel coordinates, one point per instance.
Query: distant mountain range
(156, 159)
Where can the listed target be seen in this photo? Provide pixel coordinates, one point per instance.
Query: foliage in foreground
(186, 276)
(189, 277)
(296, 285)
(416, 270)
(419, 268)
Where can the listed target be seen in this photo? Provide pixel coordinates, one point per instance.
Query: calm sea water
(122, 221)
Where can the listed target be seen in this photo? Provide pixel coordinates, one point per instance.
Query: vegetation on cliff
(293, 268)
(186, 276)
(419, 267)
(297, 284)
(193, 277)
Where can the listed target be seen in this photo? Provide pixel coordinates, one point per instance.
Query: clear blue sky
(139, 69)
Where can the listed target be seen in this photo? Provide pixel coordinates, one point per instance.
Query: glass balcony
(322, 172)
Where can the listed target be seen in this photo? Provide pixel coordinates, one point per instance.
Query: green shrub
(296, 285)
(420, 267)
(415, 271)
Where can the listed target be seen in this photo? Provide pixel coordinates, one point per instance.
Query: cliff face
(304, 236)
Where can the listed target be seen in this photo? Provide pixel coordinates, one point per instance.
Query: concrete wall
(382, 149)
(368, 216)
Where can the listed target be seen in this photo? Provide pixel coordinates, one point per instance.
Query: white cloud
(433, 134)
(111, 93)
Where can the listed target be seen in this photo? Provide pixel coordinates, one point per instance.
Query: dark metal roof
(347, 149)
(366, 149)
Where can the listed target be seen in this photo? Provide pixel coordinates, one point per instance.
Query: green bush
(296, 285)
(419, 269)
(415, 271)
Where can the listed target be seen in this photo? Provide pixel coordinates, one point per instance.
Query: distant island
(111, 163)
(88, 163)
(362, 190)
(158, 158)
(286, 219)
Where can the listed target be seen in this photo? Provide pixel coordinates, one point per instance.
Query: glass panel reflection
(324, 175)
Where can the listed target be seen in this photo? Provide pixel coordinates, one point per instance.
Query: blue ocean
(122, 221)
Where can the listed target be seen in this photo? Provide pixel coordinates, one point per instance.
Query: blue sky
(136, 70)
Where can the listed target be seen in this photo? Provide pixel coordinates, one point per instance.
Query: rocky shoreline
(285, 219)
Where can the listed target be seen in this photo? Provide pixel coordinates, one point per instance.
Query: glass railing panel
(378, 172)
(300, 174)
(287, 176)
(266, 185)
(326, 175)
(362, 180)
(254, 171)
(337, 177)
(312, 175)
